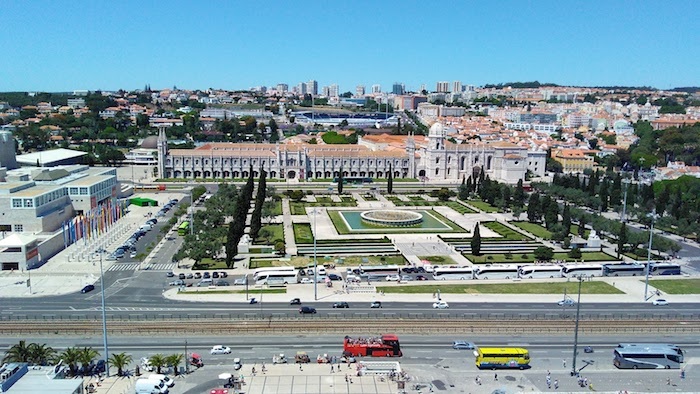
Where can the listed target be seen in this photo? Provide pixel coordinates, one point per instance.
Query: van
(147, 386)
(163, 378)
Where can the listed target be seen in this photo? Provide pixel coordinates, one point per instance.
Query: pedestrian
(549, 384)
(548, 373)
(495, 377)
(300, 367)
(585, 382)
(563, 362)
(478, 380)
(556, 384)
(346, 378)
(682, 373)
(332, 369)
(668, 381)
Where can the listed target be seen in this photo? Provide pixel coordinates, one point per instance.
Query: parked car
(406, 278)
(222, 283)
(408, 270)
(341, 304)
(295, 301)
(182, 276)
(178, 282)
(306, 280)
(462, 345)
(441, 305)
(307, 309)
(207, 275)
(198, 275)
(215, 275)
(393, 278)
(334, 277)
(190, 276)
(220, 349)
(239, 282)
(375, 304)
(421, 277)
(170, 274)
(132, 255)
(87, 289)
(223, 274)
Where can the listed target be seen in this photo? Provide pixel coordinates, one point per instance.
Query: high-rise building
(376, 88)
(398, 88)
(302, 88)
(282, 87)
(312, 87)
(456, 87)
(359, 90)
(442, 87)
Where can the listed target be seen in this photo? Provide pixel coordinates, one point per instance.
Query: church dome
(437, 129)
(150, 142)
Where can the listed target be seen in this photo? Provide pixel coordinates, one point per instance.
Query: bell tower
(162, 151)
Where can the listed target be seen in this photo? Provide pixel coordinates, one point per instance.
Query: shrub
(509, 256)
(489, 257)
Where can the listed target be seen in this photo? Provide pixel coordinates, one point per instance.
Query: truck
(148, 386)
(383, 346)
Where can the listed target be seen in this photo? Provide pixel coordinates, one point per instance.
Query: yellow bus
(502, 357)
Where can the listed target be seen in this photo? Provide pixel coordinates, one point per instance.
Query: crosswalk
(135, 266)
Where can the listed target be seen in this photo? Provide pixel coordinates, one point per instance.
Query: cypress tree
(256, 217)
(476, 241)
(519, 195)
(533, 208)
(566, 219)
(340, 181)
(390, 181)
(621, 239)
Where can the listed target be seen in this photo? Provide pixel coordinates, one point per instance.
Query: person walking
(332, 369)
(495, 377)
(556, 384)
(563, 362)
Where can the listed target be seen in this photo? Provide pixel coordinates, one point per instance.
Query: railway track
(345, 326)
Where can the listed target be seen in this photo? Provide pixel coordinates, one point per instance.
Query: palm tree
(85, 356)
(70, 356)
(41, 354)
(18, 353)
(174, 360)
(158, 361)
(119, 361)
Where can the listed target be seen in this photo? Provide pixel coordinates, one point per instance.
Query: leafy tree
(390, 181)
(120, 361)
(543, 253)
(476, 241)
(575, 253)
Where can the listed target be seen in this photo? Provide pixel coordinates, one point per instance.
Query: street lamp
(315, 261)
(625, 182)
(578, 310)
(653, 215)
(101, 252)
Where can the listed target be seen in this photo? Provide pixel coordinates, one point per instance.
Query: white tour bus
(540, 271)
(277, 277)
(586, 270)
(261, 271)
(496, 272)
(453, 273)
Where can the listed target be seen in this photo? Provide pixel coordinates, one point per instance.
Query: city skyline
(53, 46)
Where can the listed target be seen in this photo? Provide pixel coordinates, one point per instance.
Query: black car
(408, 270)
(182, 276)
(334, 277)
(342, 304)
(223, 274)
(307, 309)
(207, 275)
(90, 288)
(214, 274)
(295, 301)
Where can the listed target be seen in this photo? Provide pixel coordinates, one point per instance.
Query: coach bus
(263, 270)
(647, 356)
(586, 270)
(496, 272)
(453, 273)
(502, 357)
(539, 271)
(659, 268)
(183, 229)
(624, 269)
(277, 277)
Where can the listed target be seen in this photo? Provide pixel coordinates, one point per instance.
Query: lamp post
(101, 252)
(653, 217)
(191, 211)
(315, 261)
(578, 310)
(625, 182)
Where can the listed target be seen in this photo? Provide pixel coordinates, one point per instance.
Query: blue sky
(67, 45)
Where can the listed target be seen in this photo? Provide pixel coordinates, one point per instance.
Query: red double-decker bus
(384, 346)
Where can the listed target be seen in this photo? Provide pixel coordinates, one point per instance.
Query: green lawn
(590, 287)
(535, 229)
(369, 197)
(302, 233)
(505, 231)
(484, 206)
(250, 291)
(297, 208)
(416, 198)
(439, 260)
(574, 230)
(461, 208)
(303, 261)
(260, 263)
(677, 286)
(340, 226)
(277, 208)
(529, 257)
(276, 230)
(209, 264)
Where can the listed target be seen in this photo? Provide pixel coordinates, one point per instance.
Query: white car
(393, 278)
(306, 280)
(219, 349)
(566, 302)
(659, 302)
(441, 305)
